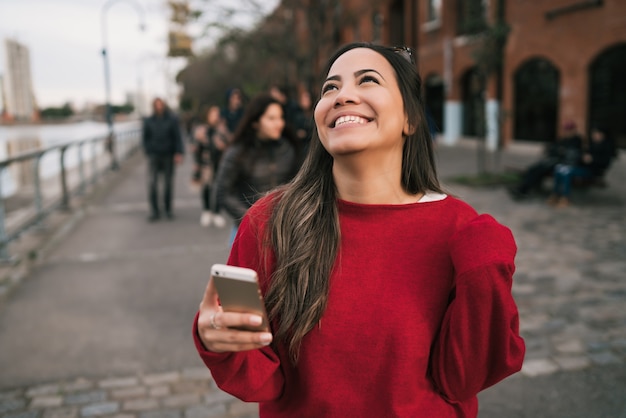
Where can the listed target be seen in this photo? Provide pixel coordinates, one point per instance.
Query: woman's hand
(215, 327)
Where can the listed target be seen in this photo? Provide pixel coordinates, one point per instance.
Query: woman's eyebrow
(356, 74)
(367, 70)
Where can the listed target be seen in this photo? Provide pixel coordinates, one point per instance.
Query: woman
(210, 141)
(259, 159)
(387, 298)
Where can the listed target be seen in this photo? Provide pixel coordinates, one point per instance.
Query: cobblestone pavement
(570, 287)
(189, 393)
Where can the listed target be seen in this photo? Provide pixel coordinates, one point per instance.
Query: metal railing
(105, 153)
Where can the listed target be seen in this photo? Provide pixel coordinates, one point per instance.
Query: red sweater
(420, 318)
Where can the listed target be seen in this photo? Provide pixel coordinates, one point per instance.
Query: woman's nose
(347, 94)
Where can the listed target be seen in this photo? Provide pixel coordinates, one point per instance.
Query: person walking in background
(259, 158)
(594, 162)
(303, 120)
(290, 107)
(386, 296)
(233, 111)
(163, 146)
(210, 141)
(567, 149)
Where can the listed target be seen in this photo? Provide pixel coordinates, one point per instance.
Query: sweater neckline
(428, 197)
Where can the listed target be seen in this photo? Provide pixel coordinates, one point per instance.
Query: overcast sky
(65, 40)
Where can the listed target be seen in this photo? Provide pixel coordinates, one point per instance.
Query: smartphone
(238, 291)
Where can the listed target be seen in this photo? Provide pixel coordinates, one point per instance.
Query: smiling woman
(386, 296)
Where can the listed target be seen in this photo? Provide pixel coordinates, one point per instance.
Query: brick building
(561, 60)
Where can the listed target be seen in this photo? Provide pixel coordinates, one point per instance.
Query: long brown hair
(304, 226)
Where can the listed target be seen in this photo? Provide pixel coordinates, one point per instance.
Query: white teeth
(350, 119)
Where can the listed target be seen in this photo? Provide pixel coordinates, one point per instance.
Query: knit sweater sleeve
(479, 342)
(255, 375)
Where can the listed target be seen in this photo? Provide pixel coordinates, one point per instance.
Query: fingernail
(256, 320)
(265, 338)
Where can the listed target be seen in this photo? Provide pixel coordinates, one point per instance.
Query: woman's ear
(407, 129)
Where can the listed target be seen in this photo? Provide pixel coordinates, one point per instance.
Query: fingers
(216, 331)
(217, 328)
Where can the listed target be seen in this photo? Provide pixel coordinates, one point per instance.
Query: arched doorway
(434, 95)
(473, 86)
(536, 101)
(607, 93)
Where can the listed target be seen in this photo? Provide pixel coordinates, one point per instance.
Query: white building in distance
(20, 101)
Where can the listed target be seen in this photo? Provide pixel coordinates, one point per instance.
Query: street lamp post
(107, 76)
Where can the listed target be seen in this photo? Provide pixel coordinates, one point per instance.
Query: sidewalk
(102, 325)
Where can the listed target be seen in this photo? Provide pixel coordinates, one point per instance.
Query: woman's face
(271, 123)
(361, 107)
(213, 116)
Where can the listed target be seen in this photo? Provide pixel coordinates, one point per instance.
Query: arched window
(536, 101)
(607, 93)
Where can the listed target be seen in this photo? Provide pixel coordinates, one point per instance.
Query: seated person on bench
(566, 149)
(594, 162)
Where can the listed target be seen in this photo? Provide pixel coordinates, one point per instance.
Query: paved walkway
(101, 327)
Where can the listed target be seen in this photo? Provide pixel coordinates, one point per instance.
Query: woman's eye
(328, 87)
(369, 79)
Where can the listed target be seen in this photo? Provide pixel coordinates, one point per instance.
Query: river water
(16, 139)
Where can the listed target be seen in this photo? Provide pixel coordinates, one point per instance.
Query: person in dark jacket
(233, 112)
(163, 145)
(594, 162)
(567, 149)
(260, 157)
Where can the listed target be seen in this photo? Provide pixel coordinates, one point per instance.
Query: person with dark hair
(233, 111)
(567, 149)
(290, 107)
(594, 162)
(261, 156)
(210, 141)
(303, 120)
(386, 296)
(163, 145)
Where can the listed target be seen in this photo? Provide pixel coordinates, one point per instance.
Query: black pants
(160, 166)
(209, 200)
(534, 175)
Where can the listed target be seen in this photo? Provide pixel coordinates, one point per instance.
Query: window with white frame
(434, 10)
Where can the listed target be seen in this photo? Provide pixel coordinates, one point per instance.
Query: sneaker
(205, 218)
(219, 221)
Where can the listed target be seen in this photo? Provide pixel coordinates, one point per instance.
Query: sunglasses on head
(405, 52)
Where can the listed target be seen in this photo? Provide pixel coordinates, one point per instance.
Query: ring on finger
(212, 321)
